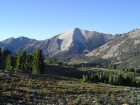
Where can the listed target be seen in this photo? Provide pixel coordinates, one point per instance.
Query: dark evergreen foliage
(21, 61)
(28, 63)
(9, 62)
(38, 62)
(6, 52)
(126, 79)
(0, 52)
(0, 56)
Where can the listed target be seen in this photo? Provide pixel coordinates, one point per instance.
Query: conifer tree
(5, 52)
(106, 78)
(9, 62)
(85, 78)
(0, 52)
(28, 63)
(21, 59)
(110, 78)
(38, 62)
(92, 77)
(0, 55)
(96, 78)
(114, 79)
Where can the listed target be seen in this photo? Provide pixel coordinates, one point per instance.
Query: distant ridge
(75, 38)
(124, 50)
(73, 43)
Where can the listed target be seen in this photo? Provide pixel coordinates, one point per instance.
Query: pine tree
(119, 79)
(21, 59)
(106, 78)
(100, 76)
(92, 77)
(38, 62)
(110, 79)
(0, 55)
(96, 77)
(9, 62)
(5, 52)
(0, 52)
(28, 63)
(114, 79)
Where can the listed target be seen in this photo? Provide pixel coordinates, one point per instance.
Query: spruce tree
(85, 78)
(110, 81)
(0, 56)
(38, 62)
(92, 77)
(0, 52)
(5, 52)
(96, 78)
(9, 62)
(28, 63)
(21, 60)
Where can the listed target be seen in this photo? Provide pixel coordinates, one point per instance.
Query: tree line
(4, 52)
(120, 79)
(33, 63)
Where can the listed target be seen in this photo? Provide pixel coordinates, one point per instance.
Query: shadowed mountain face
(74, 41)
(1, 44)
(13, 43)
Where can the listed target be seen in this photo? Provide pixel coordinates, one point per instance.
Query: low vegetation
(29, 80)
(31, 89)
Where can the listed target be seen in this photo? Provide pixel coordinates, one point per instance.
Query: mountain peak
(76, 28)
(21, 37)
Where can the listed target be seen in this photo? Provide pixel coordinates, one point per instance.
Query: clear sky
(42, 19)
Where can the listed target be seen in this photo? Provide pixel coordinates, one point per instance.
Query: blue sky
(42, 19)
